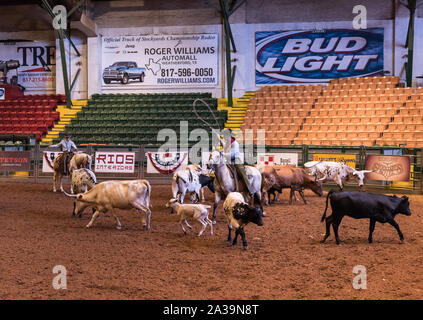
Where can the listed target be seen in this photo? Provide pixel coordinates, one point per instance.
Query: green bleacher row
(134, 119)
(150, 114)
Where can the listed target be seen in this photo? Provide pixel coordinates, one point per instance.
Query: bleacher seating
(29, 115)
(350, 111)
(134, 119)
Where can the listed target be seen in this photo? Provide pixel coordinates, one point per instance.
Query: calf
(238, 214)
(82, 180)
(195, 211)
(192, 180)
(111, 195)
(358, 205)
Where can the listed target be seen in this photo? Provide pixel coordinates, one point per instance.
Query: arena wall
(187, 17)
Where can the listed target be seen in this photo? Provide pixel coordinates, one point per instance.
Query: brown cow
(279, 177)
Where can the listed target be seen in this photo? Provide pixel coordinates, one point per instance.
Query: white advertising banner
(205, 156)
(189, 60)
(48, 158)
(277, 158)
(166, 162)
(114, 162)
(37, 63)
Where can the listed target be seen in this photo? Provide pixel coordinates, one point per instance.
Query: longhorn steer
(111, 195)
(358, 205)
(336, 171)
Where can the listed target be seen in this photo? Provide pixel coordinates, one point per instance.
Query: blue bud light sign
(317, 56)
(2, 94)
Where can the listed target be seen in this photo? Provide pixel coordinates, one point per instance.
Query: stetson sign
(388, 168)
(11, 161)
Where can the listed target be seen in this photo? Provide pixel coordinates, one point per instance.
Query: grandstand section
(29, 115)
(365, 111)
(134, 119)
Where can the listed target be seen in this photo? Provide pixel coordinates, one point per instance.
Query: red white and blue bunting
(166, 162)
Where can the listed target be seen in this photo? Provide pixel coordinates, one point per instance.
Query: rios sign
(317, 57)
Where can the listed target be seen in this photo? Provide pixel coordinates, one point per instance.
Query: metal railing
(305, 153)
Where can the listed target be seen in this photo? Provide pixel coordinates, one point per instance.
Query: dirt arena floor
(285, 259)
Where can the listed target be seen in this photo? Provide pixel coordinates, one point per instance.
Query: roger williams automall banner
(317, 56)
(11, 161)
(189, 60)
(388, 168)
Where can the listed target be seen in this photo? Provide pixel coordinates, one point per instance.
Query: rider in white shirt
(67, 146)
(231, 146)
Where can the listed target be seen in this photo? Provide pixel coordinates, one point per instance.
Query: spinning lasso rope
(211, 111)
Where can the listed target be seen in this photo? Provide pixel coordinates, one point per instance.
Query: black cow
(358, 205)
(207, 181)
(238, 214)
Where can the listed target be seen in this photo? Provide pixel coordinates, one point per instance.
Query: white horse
(80, 160)
(225, 183)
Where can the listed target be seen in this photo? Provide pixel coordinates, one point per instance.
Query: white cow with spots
(338, 172)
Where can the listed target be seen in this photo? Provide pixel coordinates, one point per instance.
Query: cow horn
(321, 179)
(70, 195)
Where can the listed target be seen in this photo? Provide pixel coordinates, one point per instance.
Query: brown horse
(59, 169)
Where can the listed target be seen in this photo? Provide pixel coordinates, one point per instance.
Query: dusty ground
(285, 259)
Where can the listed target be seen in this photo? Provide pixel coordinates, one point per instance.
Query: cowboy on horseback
(231, 147)
(68, 146)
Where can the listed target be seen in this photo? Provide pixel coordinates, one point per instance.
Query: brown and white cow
(338, 172)
(278, 177)
(114, 194)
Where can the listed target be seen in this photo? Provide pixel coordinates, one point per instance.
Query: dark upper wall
(150, 13)
(268, 11)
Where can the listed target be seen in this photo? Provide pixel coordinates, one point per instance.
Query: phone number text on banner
(115, 162)
(160, 60)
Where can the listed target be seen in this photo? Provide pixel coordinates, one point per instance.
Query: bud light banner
(317, 56)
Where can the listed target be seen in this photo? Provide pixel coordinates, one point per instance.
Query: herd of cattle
(238, 208)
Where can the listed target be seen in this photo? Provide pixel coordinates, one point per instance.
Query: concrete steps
(66, 115)
(236, 114)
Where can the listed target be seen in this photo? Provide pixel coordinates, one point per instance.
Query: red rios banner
(11, 161)
(115, 162)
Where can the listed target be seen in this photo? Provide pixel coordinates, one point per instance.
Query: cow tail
(327, 200)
